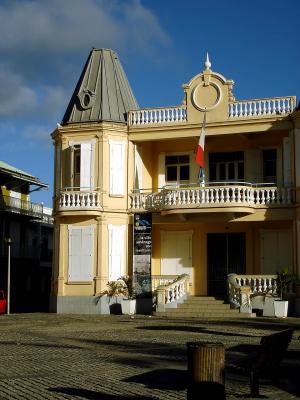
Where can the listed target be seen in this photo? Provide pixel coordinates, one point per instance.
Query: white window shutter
(75, 244)
(86, 271)
(116, 251)
(116, 167)
(80, 254)
(85, 166)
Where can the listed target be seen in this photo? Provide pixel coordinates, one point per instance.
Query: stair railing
(169, 294)
(243, 288)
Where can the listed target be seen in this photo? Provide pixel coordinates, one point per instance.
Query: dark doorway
(226, 253)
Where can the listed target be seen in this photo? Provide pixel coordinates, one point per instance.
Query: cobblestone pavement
(48, 356)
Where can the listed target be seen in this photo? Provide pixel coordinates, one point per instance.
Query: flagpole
(201, 173)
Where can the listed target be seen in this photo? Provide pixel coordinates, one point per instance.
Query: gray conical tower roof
(103, 92)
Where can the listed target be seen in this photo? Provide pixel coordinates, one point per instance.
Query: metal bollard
(206, 371)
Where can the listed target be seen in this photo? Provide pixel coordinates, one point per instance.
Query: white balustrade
(262, 107)
(168, 115)
(79, 199)
(234, 195)
(161, 280)
(243, 289)
(267, 107)
(171, 292)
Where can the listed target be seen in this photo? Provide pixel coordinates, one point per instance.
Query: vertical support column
(245, 303)
(297, 163)
(287, 173)
(161, 170)
(102, 255)
(298, 246)
(98, 251)
(61, 258)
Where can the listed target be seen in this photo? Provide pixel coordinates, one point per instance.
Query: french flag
(200, 148)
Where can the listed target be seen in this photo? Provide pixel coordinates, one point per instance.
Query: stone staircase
(203, 307)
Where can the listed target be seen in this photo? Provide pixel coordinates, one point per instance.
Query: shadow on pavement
(193, 329)
(163, 379)
(167, 351)
(92, 395)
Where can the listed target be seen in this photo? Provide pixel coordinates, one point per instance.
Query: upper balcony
(74, 199)
(237, 110)
(241, 196)
(19, 206)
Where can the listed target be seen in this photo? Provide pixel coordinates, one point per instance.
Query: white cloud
(73, 25)
(36, 135)
(17, 97)
(43, 45)
(55, 102)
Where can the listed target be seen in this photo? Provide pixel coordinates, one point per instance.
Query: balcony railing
(79, 200)
(262, 107)
(20, 206)
(255, 108)
(223, 195)
(247, 292)
(169, 115)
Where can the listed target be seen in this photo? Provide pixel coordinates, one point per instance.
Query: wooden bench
(267, 359)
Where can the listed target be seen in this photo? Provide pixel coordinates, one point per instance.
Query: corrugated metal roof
(103, 92)
(22, 175)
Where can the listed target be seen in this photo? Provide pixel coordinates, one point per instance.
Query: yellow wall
(199, 251)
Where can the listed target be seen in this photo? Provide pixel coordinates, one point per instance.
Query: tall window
(226, 166)
(81, 166)
(270, 166)
(177, 168)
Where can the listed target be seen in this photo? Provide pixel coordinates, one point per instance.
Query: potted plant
(283, 280)
(129, 299)
(114, 290)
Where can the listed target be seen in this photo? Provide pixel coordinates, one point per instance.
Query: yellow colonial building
(114, 160)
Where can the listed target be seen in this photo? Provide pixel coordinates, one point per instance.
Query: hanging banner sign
(142, 250)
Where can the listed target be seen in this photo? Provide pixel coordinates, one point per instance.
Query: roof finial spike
(207, 63)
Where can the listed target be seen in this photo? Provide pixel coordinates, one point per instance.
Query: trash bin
(206, 370)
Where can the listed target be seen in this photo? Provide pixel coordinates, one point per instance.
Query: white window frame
(227, 163)
(178, 181)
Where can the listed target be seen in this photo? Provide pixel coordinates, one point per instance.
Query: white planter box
(269, 309)
(281, 308)
(128, 306)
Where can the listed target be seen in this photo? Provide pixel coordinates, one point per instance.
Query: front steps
(203, 307)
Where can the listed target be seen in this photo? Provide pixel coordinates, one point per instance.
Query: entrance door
(176, 253)
(226, 253)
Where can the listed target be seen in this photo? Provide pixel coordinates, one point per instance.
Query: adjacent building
(29, 227)
(114, 160)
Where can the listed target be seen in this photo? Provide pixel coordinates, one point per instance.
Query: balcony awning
(16, 173)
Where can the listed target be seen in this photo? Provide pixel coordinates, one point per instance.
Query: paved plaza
(48, 356)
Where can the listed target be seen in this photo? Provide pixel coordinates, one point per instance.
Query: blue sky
(161, 44)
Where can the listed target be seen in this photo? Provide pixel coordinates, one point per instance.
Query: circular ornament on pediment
(206, 97)
(86, 98)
